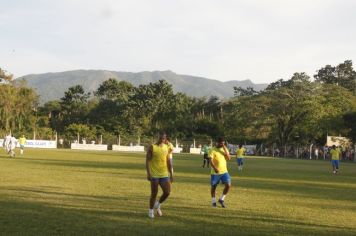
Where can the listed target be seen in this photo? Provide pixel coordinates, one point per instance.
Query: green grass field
(64, 192)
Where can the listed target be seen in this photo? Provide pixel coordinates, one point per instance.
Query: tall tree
(343, 75)
(5, 77)
(249, 91)
(74, 105)
(150, 103)
(114, 90)
(17, 103)
(350, 121)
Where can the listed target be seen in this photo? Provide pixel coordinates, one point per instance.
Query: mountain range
(51, 86)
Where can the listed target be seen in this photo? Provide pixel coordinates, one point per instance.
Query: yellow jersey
(170, 146)
(22, 141)
(158, 163)
(217, 156)
(240, 152)
(335, 154)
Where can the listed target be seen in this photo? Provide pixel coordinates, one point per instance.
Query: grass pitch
(64, 192)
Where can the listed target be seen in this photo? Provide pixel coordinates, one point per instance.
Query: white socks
(213, 200)
(222, 198)
(157, 205)
(151, 214)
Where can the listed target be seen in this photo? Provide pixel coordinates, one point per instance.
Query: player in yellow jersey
(159, 172)
(335, 157)
(240, 155)
(218, 156)
(22, 142)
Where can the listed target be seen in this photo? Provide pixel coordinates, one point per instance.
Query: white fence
(177, 150)
(195, 150)
(95, 147)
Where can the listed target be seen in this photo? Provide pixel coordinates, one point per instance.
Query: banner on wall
(128, 148)
(93, 147)
(36, 144)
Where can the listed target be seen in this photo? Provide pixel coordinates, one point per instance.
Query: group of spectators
(347, 154)
(318, 152)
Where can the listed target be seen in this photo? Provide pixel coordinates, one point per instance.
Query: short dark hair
(220, 139)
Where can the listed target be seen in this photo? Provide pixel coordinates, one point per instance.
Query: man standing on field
(335, 157)
(12, 146)
(240, 155)
(22, 142)
(205, 149)
(159, 172)
(7, 143)
(218, 156)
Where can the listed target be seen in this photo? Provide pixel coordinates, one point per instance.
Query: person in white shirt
(12, 146)
(6, 144)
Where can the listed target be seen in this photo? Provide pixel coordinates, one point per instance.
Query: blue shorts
(160, 180)
(224, 178)
(240, 161)
(335, 163)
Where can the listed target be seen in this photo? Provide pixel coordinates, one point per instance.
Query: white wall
(95, 147)
(36, 144)
(194, 150)
(128, 148)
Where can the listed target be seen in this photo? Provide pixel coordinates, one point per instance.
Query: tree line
(297, 110)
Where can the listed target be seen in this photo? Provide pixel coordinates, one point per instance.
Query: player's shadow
(242, 222)
(36, 218)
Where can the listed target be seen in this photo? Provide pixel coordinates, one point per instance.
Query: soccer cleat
(213, 204)
(222, 203)
(151, 214)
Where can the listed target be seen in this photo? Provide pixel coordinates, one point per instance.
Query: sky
(260, 40)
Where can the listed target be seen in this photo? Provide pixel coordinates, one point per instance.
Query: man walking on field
(11, 146)
(205, 149)
(22, 142)
(7, 143)
(240, 155)
(218, 156)
(159, 172)
(335, 157)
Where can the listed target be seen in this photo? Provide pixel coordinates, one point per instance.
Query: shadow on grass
(33, 218)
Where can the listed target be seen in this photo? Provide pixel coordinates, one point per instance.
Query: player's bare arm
(213, 166)
(170, 168)
(227, 154)
(148, 158)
